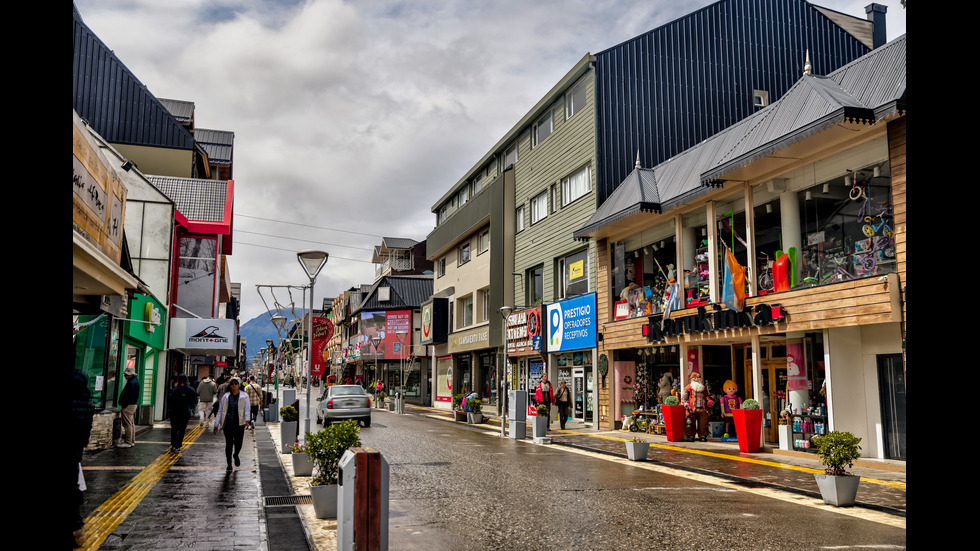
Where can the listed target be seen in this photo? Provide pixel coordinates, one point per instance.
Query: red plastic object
(780, 273)
(748, 423)
(674, 422)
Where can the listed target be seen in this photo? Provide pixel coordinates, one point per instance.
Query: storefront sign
(386, 325)
(796, 375)
(435, 321)
(524, 332)
(721, 319)
(444, 379)
(572, 324)
(469, 340)
(212, 337)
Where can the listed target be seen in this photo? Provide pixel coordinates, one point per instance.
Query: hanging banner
(796, 376)
(322, 333)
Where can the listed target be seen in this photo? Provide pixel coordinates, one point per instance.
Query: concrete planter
(302, 466)
(637, 451)
(540, 427)
(459, 415)
(839, 491)
(474, 418)
(287, 435)
(324, 500)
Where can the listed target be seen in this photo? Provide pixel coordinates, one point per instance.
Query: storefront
(524, 353)
(144, 348)
(571, 341)
(472, 359)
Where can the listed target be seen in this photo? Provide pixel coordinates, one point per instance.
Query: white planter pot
(325, 500)
(839, 491)
(474, 418)
(302, 466)
(637, 451)
(540, 427)
(287, 435)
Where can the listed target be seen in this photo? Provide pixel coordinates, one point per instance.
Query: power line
(304, 240)
(332, 257)
(307, 225)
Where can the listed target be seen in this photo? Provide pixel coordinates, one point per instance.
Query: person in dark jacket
(182, 401)
(127, 401)
(81, 429)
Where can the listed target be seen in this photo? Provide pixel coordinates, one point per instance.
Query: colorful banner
(322, 332)
(572, 324)
(386, 325)
(796, 376)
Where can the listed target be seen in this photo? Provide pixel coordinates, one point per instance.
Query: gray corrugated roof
(218, 144)
(397, 243)
(182, 110)
(407, 292)
(201, 200)
(863, 90)
(637, 193)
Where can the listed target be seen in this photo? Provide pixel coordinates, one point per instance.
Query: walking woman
(564, 400)
(232, 418)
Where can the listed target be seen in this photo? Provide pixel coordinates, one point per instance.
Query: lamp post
(504, 313)
(401, 363)
(376, 341)
(312, 262)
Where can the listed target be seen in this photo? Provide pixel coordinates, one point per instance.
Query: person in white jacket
(232, 418)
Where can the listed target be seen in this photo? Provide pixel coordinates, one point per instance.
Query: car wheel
(367, 422)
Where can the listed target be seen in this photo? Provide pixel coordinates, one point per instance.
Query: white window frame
(542, 129)
(539, 207)
(441, 267)
(464, 254)
(519, 219)
(510, 151)
(465, 310)
(484, 304)
(464, 195)
(570, 106)
(483, 242)
(568, 195)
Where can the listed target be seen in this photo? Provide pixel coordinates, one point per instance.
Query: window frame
(567, 197)
(530, 275)
(536, 137)
(539, 202)
(519, 219)
(441, 267)
(464, 254)
(570, 107)
(483, 242)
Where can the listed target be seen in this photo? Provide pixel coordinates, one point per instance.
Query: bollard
(362, 501)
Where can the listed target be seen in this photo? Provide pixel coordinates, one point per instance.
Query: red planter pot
(674, 418)
(748, 423)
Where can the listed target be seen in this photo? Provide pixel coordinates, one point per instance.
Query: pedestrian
(564, 400)
(81, 429)
(545, 394)
(255, 398)
(127, 401)
(232, 419)
(182, 401)
(206, 393)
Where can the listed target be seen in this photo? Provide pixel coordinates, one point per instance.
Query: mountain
(260, 328)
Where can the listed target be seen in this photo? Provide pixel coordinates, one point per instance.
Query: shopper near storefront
(232, 419)
(255, 398)
(545, 394)
(206, 393)
(697, 403)
(564, 400)
(182, 401)
(127, 401)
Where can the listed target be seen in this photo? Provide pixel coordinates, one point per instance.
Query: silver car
(340, 402)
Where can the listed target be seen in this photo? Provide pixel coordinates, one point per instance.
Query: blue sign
(572, 324)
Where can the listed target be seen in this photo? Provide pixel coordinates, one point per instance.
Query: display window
(643, 268)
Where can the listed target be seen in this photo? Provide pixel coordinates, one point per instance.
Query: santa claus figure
(697, 402)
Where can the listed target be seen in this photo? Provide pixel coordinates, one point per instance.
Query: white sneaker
(124, 445)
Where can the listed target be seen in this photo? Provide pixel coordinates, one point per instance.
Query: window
(484, 295)
(464, 311)
(574, 270)
(483, 243)
(510, 156)
(760, 98)
(464, 195)
(442, 214)
(464, 254)
(539, 207)
(519, 219)
(554, 197)
(575, 186)
(575, 99)
(535, 285)
(441, 267)
(541, 129)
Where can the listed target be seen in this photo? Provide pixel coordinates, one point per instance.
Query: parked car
(341, 402)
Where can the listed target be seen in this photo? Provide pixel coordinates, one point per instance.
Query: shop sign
(435, 321)
(322, 332)
(572, 324)
(386, 325)
(721, 319)
(524, 331)
(213, 337)
(469, 340)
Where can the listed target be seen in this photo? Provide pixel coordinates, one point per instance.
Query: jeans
(234, 436)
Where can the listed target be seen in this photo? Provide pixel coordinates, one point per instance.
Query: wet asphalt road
(454, 487)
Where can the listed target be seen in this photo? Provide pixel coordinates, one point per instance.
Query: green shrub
(750, 404)
(672, 401)
(326, 447)
(288, 413)
(838, 449)
(476, 405)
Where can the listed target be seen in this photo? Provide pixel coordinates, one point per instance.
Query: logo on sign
(555, 323)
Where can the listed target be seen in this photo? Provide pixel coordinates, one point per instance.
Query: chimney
(876, 14)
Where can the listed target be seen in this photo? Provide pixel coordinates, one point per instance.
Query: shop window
(574, 270)
(641, 276)
(847, 227)
(730, 227)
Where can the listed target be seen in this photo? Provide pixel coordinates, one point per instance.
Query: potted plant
(748, 426)
(326, 448)
(541, 421)
(673, 414)
(302, 464)
(837, 451)
(287, 428)
(458, 414)
(381, 399)
(475, 414)
(637, 449)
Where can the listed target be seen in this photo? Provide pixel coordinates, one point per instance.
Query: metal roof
(113, 101)
(196, 199)
(864, 91)
(407, 292)
(637, 193)
(182, 110)
(218, 144)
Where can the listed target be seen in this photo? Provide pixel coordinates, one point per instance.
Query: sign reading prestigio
(572, 324)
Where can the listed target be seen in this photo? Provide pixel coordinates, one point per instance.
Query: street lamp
(376, 341)
(312, 262)
(401, 364)
(504, 313)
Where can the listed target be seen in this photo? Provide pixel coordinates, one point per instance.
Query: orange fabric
(738, 279)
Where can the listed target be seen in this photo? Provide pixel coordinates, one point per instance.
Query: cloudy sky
(352, 118)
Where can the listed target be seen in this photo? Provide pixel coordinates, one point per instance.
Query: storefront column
(789, 219)
(756, 369)
(713, 251)
(685, 373)
(750, 241)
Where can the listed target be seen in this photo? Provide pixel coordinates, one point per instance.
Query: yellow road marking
(108, 516)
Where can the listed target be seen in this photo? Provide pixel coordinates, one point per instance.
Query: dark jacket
(182, 399)
(130, 394)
